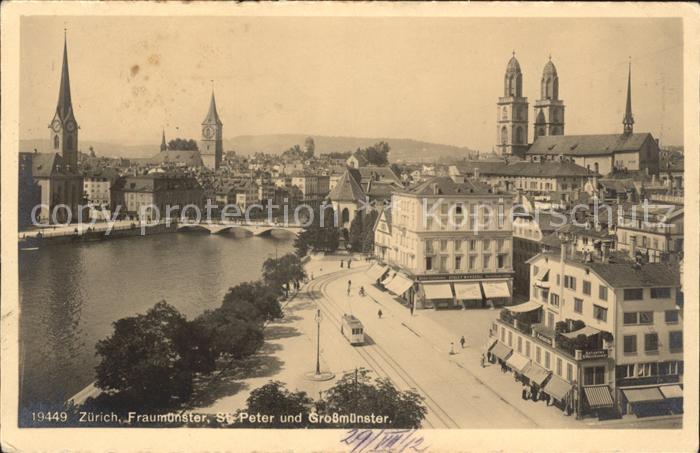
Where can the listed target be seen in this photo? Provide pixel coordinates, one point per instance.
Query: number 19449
(49, 416)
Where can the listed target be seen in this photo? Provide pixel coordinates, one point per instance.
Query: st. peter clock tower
(211, 146)
(64, 128)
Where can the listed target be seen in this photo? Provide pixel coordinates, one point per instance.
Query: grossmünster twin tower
(512, 120)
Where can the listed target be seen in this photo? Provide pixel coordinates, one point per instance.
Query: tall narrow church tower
(549, 109)
(212, 147)
(163, 145)
(512, 113)
(64, 128)
(628, 120)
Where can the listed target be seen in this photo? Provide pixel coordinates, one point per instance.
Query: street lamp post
(318, 341)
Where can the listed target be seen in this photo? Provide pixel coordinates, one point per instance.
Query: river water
(70, 295)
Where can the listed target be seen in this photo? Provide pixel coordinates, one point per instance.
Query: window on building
(660, 293)
(578, 305)
(487, 261)
(547, 358)
(510, 338)
(550, 319)
(646, 317)
(443, 263)
(570, 282)
(594, 375)
(600, 313)
(502, 260)
(520, 344)
(569, 372)
(630, 344)
(603, 292)
(633, 294)
(587, 287)
(501, 216)
(558, 366)
(545, 295)
(458, 245)
(503, 334)
(538, 354)
(629, 318)
(458, 262)
(527, 348)
(535, 270)
(651, 342)
(487, 244)
(428, 263)
(675, 341)
(443, 245)
(554, 299)
(472, 245)
(671, 316)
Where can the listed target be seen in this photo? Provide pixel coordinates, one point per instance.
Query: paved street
(412, 351)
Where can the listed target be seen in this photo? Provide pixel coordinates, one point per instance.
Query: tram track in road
(378, 359)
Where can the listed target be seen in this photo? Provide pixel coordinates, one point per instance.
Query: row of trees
(151, 360)
(361, 234)
(377, 154)
(320, 235)
(355, 393)
(182, 144)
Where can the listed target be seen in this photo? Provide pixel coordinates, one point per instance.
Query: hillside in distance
(402, 149)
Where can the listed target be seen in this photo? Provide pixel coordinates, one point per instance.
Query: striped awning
(525, 307)
(643, 395)
(501, 351)
(437, 291)
(388, 278)
(467, 291)
(535, 373)
(399, 285)
(542, 278)
(672, 391)
(494, 290)
(557, 388)
(598, 396)
(376, 271)
(517, 362)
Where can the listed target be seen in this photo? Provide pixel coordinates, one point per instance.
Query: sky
(432, 79)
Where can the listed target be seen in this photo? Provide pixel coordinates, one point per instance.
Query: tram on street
(352, 330)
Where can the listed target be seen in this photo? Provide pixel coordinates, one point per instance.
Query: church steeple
(211, 146)
(64, 128)
(512, 112)
(628, 120)
(212, 115)
(163, 145)
(65, 106)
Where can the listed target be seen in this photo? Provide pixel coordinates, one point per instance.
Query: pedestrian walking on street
(483, 361)
(524, 394)
(462, 341)
(412, 306)
(341, 263)
(452, 348)
(379, 314)
(349, 261)
(349, 286)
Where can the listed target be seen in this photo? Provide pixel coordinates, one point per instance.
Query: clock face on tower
(56, 125)
(70, 127)
(208, 132)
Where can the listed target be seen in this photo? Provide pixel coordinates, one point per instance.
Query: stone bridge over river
(257, 229)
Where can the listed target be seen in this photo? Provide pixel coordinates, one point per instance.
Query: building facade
(451, 240)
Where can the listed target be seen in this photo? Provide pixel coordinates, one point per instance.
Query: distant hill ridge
(401, 148)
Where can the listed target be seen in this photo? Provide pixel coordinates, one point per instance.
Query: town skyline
(139, 91)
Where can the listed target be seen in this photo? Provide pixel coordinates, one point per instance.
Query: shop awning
(587, 331)
(643, 395)
(501, 351)
(493, 290)
(598, 396)
(557, 387)
(671, 391)
(467, 291)
(489, 343)
(399, 284)
(376, 271)
(542, 278)
(437, 291)
(388, 278)
(517, 362)
(530, 305)
(535, 373)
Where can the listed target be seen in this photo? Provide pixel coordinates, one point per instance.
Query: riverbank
(91, 232)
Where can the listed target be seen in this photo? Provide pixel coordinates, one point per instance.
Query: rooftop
(588, 145)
